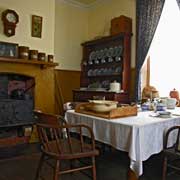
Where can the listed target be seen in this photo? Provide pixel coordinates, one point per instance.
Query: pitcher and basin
(170, 103)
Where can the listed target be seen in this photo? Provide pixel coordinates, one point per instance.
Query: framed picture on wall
(36, 26)
(9, 50)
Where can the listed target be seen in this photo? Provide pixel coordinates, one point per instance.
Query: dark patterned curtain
(178, 1)
(148, 13)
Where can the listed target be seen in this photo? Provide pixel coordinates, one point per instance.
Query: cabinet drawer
(81, 96)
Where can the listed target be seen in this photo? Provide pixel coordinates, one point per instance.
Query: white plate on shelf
(119, 51)
(91, 56)
(90, 72)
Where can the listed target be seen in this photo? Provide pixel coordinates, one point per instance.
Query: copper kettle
(174, 94)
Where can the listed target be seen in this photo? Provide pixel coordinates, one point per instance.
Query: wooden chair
(171, 154)
(57, 143)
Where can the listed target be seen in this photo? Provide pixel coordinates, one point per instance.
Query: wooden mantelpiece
(42, 64)
(44, 79)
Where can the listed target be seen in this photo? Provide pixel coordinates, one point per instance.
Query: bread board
(122, 111)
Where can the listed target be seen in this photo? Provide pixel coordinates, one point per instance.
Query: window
(165, 51)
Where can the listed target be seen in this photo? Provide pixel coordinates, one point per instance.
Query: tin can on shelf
(33, 54)
(41, 56)
(50, 58)
(23, 52)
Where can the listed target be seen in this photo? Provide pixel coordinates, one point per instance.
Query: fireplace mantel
(42, 64)
(44, 79)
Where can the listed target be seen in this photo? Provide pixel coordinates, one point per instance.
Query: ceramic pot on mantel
(174, 94)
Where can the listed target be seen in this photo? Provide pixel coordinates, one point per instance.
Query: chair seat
(66, 152)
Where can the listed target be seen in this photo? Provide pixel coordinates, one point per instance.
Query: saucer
(165, 114)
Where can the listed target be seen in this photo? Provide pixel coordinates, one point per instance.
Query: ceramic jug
(115, 87)
(171, 103)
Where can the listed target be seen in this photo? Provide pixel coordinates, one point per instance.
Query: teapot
(174, 94)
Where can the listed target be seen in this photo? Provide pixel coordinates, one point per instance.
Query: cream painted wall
(71, 29)
(74, 25)
(100, 17)
(25, 9)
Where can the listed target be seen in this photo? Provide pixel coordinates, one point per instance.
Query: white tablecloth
(141, 136)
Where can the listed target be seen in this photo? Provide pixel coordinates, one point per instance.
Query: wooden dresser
(104, 61)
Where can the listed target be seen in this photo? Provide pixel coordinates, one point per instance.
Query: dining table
(141, 135)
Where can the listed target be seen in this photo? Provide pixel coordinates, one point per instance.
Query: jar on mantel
(23, 52)
(50, 58)
(41, 56)
(33, 54)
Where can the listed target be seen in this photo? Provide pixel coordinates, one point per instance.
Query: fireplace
(16, 100)
(25, 85)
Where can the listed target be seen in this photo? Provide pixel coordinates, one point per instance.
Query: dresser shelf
(42, 64)
(104, 76)
(117, 50)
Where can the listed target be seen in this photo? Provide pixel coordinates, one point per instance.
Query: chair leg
(56, 171)
(94, 168)
(39, 166)
(71, 165)
(164, 168)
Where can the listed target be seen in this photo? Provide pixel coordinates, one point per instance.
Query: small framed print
(9, 50)
(36, 26)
